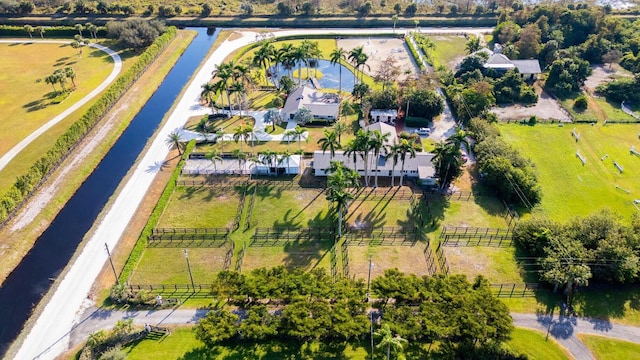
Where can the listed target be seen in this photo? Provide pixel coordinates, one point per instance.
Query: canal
(32, 278)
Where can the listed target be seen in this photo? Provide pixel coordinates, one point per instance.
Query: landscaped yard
(604, 348)
(536, 345)
(570, 188)
(448, 51)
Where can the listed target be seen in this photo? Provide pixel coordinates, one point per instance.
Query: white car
(423, 131)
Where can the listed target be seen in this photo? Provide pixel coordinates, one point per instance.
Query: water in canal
(26, 285)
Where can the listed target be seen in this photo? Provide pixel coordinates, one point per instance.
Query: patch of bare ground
(408, 259)
(19, 234)
(547, 108)
(379, 49)
(602, 74)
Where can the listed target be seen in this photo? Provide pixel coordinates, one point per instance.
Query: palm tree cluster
(231, 78)
(340, 185)
(60, 77)
(359, 58)
(448, 159)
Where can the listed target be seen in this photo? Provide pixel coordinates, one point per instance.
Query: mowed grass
(26, 100)
(448, 49)
(307, 254)
(408, 259)
(390, 208)
(570, 188)
(201, 207)
(535, 345)
(498, 265)
(277, 206)
(604, 348)
(612, 110)
(169, 266)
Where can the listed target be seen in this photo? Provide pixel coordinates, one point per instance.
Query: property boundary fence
(475, 236)
(345, 258)
(511, 216)
(193, 237)
(452, 195)
(198, 290)
(252, 203)
(430, 259)
(222, 183)
(282, 236)
(228, 256)
(442, 260)
(386, 236)
(373, 194)
(240, 258)
(238, 217)
(515, 290)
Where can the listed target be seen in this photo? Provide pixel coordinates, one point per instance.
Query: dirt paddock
(378, 49)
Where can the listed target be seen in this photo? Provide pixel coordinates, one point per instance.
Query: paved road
(563, 329)
(50, 333)
(117, 67)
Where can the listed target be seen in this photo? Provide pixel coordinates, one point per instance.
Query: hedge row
(26, 183)
(141, 244)
(414, 53)
(50, 32)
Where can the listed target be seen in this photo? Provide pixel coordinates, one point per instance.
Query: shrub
(581, 103)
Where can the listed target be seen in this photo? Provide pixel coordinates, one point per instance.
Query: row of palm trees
(369, 143)
(268, 157)
(232, 78)
(60, 77)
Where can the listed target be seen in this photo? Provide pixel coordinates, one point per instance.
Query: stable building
(323, 106)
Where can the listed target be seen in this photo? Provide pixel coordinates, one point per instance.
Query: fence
(282, 236)
(510, 216)
(474, 236)
(173, 289)
(193, 237)
(515, 290)
(442, 260)
(238, 266)
(334, 262)
(238, 217)
(387, 236)
(430, 259)
(228, 256)
(252, 202)
(222, 183)
(452, 195)
(372, 194)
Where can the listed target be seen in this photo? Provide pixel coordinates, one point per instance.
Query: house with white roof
(388, 116)
(528, 69)
(322, 105)
(419, 167)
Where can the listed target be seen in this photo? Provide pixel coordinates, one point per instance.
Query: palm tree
(362, 146)
(70, 74)
(224, 72)
(40, 30)
(273, 116)
(76, 45)
(389, 341)
(51, 79)
(285, 156)
(61, 78)
(93, 30)
(79, 27)
(472, 45)
(220, 136)
(354, 55)
(215, 156)
(285, 56)
(289, 135)
(299, 55)
(339, 183)
(208, 91)
(298, 132)
(394, 18)
(242, 158)
(268, 159)
(238, 89)
(377, 143)
(447, 161)
(340, 128)
(361, 63)
(243, 73)
(263, 57)
(330, 142)
(174, 140)
(406, 148)
(313, 51)
(459, 138)
(242, 133)
(29, 30)
(337, 55)
(394, 152)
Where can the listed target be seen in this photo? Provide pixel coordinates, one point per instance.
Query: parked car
(423, 131)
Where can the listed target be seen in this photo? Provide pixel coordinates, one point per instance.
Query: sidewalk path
(117, 62)
(563, 329)
(49, 335)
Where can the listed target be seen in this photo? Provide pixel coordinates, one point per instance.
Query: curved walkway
(117, 61)
(49, 334)
(563, 329)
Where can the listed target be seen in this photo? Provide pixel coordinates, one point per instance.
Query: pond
(330, 75)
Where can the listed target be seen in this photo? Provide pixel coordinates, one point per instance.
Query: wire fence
(252, 203)
(189, 237)
(476, 236)
(382, 236)
(515, 290)
(275, 236)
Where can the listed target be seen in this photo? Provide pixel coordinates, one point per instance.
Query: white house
(528, 69)
(388, 116)
(322, 105)
(419, 167)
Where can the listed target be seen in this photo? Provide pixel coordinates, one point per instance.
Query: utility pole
(371, 317)
(115, 274)
(369, 278)
(186, 256)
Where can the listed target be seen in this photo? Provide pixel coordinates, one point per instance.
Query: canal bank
(42, 265)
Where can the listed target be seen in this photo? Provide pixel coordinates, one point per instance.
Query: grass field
(26, 110)
(570, 188)
(604, 348)
(201, 207)
(448, 50)
(182, 344)
(292, 208)
(408, 259)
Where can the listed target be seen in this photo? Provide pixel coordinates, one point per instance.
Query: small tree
(217, 326)
(303, 116)
(174, 140)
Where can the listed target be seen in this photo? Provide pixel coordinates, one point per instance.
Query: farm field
(571, 188)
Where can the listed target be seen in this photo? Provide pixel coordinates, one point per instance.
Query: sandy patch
(603, 74)
(547, 108)
(378, 49)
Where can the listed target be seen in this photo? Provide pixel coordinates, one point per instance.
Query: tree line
(458, 315)
(598, 247)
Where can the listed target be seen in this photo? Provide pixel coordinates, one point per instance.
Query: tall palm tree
(339, 182)
(70, 74)
(215, 156)
(238, 89)
(208, 92)
(242, 158)
(174, 140)
(61, 78)
(362, 145)
(79, 27)
(447, 161)
(93, 30)
(300, 55)
(394, 18)
(354, 55)
(273, 116)
(337, 55)
(243, 73)
(263, 57)
(241, 134)
(224, 72)
(330, 142)
(389, 341)
(362, 63)
(76, 45)
(40, 30)
(459, 138)
(340, 128)
(220, 136)
(285, 156)
(406, 148)
(268, 158)
(394, 152)
(51, 79)
(298, 132)
(285, 55)
(313, 51)
(377, 143)
(289, 135)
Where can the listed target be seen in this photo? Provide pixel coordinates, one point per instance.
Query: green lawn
(579, 115)
(612, 110)
(535, 345)
(570, 188)
(293, 208)
(448, 49)
(604, 348)
(201, 207)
